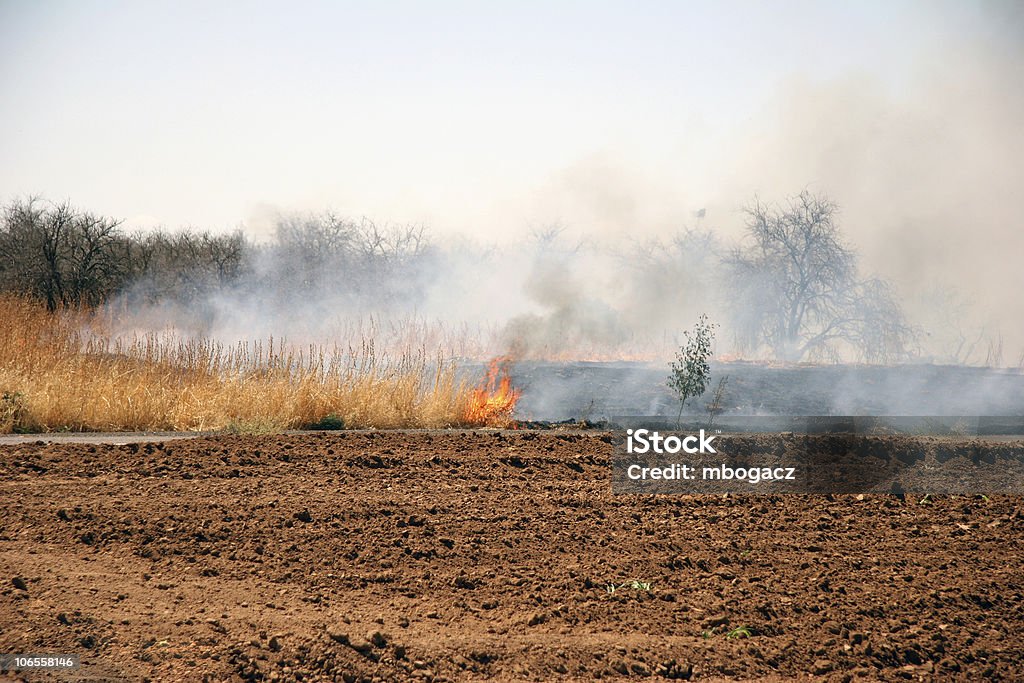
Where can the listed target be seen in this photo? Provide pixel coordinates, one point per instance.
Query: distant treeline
(792, 288)
(68, 257)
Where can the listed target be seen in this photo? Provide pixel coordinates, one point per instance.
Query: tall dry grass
(63, 371)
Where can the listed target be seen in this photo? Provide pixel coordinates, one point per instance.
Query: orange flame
(492, 403)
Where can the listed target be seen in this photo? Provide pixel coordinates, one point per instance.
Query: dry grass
(64, 372)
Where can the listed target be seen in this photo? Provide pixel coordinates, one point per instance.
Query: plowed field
(469, 555)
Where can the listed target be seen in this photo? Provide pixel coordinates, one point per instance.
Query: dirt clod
(822, 666)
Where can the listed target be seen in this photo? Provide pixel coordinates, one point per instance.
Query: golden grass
(64, 372)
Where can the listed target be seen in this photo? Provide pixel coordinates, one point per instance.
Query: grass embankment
(64, 371)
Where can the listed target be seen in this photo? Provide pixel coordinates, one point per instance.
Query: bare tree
(22, 267)
(329, 254)
(878, 328)
(187, 264)
(227, 254)
(549, 238)
(799, 291)
(671, 281)
(953, 333)
(98, 260)
(388, 244)
(60, 254)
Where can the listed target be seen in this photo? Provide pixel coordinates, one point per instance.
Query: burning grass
(493, 402)
(64, 372)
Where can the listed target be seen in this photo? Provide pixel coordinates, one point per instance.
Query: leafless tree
(549, 239)
(99, 260)
(310, 249)
(672, 280)
(60, 254)
(329, 254)
(187, 264)
(388, 246)
(799, 292)
(954, 333)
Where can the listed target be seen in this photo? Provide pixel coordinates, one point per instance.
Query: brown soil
(452, 556)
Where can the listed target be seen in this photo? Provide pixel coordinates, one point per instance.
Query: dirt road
(449, 556)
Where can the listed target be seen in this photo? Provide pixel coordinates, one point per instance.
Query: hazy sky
(478, 117)
(487, 119)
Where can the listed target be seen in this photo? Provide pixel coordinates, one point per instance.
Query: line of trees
(61, 255)
(327, 252)
(793, 286)
(68, 257)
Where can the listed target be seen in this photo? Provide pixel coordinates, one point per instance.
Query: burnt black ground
(607, 391)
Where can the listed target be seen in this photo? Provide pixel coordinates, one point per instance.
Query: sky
(467, 116)
(491, 119)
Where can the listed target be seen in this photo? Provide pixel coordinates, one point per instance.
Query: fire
(492, 403)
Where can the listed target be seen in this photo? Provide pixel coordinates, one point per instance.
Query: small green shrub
(690, 372)
(738, 632)
(328, 423)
